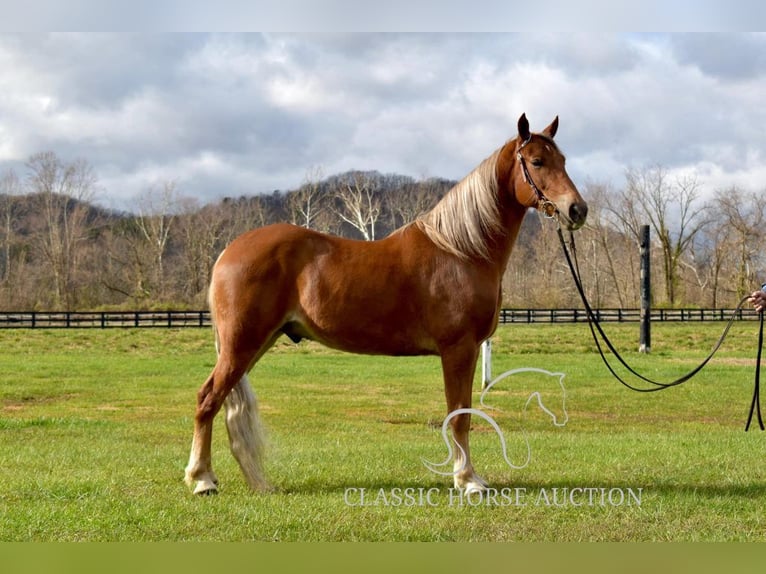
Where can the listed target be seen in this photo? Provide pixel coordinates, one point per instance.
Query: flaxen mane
(464, 219)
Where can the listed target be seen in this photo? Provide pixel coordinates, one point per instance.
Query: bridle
(544, 205)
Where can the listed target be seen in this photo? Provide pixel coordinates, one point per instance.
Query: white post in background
(486, 363)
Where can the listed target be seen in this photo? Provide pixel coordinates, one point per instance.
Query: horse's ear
(551, 130)
(523, 128)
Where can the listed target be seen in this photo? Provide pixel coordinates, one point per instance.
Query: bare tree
(156, 215)
(201, 231)
(127, 266)
(243, 214)
(736, 238)
(413, 199)
(63, 191)
(671, 209)
(305, 204)
(614, 250)
(59, 251)
(10, 188)
(358, 203)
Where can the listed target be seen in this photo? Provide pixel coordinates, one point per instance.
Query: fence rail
(176, 319)
(103, 319)
(621, 315)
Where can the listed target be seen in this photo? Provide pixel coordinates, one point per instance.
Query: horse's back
(285, 251)
(308, 284)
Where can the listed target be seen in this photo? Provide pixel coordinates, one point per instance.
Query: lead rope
(595, 325)
(755, 405)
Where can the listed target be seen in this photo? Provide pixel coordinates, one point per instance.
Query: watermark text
(555, 497)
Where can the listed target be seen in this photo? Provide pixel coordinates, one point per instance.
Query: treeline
(60, 251)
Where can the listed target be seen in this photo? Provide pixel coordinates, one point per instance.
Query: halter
(545, 205)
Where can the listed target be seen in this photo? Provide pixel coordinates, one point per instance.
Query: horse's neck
(512, 211)
(505, 242)
(512, 214)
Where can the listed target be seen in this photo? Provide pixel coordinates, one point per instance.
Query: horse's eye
(537, 162)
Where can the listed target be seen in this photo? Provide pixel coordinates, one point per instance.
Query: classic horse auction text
(509, 496)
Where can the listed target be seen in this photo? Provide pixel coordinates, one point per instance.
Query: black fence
(177, 319)
(103, 319)
(622, 315)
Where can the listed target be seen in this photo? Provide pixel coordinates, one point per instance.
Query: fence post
(486, 363)
(645, 340)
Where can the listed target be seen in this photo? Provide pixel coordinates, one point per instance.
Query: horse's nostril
(578, 212)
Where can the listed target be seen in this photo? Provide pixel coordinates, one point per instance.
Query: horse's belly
(363, 333)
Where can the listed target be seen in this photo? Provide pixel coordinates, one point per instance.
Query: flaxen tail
(246, 437)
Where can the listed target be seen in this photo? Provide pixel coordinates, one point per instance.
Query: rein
(594, 325)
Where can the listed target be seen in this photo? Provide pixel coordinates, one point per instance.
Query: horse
(432, 287)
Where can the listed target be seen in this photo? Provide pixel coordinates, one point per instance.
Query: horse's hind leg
(228, 374)
(199, 471)
(210, 397)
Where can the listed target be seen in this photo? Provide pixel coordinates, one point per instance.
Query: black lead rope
(755, 405)
(594, 325)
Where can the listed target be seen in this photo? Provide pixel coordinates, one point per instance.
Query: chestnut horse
(433, 287)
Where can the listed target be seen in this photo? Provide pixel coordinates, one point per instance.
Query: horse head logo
(545, 397)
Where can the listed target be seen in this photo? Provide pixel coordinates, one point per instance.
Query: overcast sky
(233, 114)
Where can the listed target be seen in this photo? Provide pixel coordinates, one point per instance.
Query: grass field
(95, 428)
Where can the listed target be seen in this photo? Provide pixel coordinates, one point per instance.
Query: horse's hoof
(208, 492)
(472, 484)
(472, 487)
(204, 488)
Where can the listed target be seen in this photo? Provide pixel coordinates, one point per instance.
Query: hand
(758, 299)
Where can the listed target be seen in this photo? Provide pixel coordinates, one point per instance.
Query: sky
(233, 114)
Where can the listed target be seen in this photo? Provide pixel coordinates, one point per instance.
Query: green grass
(95, 428)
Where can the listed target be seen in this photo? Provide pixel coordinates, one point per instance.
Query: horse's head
(540, 178)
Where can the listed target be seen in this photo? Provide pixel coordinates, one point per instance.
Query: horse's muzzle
(576, 215)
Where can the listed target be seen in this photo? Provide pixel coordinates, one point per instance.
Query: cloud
(232, 114)
(723, 56)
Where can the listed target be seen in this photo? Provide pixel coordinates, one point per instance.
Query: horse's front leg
(459, 365)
